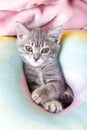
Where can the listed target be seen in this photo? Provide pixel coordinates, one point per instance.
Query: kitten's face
(37, 47)
(36, 54)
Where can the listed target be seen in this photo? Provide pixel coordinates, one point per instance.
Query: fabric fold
(47, 14)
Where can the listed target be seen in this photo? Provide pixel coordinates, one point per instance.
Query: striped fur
(44, 76)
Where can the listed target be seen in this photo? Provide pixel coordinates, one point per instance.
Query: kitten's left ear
(56, 33)
(21, 30)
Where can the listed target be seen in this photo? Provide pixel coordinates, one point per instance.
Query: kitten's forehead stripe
(38, 36)
(32, 43)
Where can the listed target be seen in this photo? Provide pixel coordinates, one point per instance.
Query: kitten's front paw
(39, 96)
(67, 97)
(53, 106)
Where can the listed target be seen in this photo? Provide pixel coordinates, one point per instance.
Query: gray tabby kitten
(39, 50)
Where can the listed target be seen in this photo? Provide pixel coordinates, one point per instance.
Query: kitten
(39, 50)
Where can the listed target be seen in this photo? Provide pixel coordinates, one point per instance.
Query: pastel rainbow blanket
(18, 112)
(48, 14)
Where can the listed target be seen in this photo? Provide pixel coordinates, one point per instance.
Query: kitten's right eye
(45, 50)
(28, 48)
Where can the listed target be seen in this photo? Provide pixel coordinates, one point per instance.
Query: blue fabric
(17, 112)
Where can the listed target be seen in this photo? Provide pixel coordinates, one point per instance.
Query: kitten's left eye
(29, 48)
(45, 50)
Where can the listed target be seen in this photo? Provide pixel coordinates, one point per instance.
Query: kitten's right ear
(21, 30)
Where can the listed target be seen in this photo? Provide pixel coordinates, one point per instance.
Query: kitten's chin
(35, 63)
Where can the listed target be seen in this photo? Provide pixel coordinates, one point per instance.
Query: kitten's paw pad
(39, 96)
(53, 106)
(67, 97)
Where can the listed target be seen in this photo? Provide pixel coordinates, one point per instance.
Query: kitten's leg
(49, 91)
(53, 106)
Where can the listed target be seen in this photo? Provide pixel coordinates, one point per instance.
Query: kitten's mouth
(37, 63)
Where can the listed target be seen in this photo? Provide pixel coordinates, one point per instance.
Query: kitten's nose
(36, 56)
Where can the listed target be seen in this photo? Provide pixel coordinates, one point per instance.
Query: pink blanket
(42, 13)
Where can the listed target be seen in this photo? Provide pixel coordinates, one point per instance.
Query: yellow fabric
(74, 34)
(5, 39)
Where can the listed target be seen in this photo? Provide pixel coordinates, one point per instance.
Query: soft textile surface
(17, 112)
(73, 59)
(44, 13)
